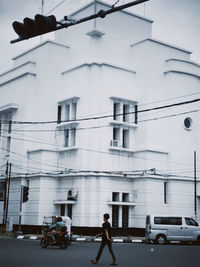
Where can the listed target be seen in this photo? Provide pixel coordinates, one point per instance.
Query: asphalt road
(27, 253)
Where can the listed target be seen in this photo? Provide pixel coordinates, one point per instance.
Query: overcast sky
(175, 21)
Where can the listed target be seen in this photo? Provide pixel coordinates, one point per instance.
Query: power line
(55, 7)
(105, 116)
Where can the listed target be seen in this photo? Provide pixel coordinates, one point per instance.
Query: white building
(97, 147)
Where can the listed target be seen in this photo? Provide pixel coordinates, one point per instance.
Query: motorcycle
(62, 238)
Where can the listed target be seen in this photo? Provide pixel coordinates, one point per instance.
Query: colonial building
(103, 119)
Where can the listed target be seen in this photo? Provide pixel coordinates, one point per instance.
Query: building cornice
(119, 176)
(39, 45)
(161, 43)
(8, 107)
(18, 77)
(185, 61)
(100, 64)
(18, 67)
(182, 72)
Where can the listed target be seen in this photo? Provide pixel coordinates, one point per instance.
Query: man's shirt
(106, 226)
(58, 226)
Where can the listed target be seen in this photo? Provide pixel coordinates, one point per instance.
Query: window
(73, 136)
(116, 133)
(168, 220)
(125, 138)
(8, 144)
(115, 196)
(125, 215)
(73, 117)
(69, 211)
(115, 216)
(191, 222)
(174, 221)
(126, 110)
(59, 114)
(125, 197)
(66, 137)
(67, 112)
(2, 190)
(116, 111)
(165, 192)
(160, 220)
(8, 119)
(62, 210)
(188, 123)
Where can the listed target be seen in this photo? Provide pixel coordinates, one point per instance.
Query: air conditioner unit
(72, 194)
(114, 143)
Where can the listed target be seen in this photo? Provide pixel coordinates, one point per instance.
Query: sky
(175, 21)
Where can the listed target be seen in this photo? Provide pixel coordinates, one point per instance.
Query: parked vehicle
(161, 229)
(62, 239)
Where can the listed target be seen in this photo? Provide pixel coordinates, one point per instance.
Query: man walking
(106, 240)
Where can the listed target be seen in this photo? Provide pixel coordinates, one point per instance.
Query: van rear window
(168, 220)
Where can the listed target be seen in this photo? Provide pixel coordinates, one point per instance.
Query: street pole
(5, 200)
(195, 186)
(20, 209)
(8, 193)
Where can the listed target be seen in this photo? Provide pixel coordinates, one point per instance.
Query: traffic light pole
(5, 200)
(20, 208)
(100, 14)
(195, 186)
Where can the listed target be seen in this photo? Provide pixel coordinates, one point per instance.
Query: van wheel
(160, 239)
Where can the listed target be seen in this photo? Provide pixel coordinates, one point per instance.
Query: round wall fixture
(188, 123)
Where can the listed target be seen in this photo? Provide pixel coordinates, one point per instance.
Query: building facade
(102, 119)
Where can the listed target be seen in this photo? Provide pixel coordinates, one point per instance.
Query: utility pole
(5, 200)
(6, 195)
(195, 186)
(20, 209)
(8, 190)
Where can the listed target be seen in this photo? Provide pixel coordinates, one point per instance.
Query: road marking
(98, 239)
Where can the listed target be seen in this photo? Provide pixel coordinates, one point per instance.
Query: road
(27, 253)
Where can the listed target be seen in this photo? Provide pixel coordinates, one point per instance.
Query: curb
(84, 239)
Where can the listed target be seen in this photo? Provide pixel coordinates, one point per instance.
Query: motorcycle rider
(58, 225)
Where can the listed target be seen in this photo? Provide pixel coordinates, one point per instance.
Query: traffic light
(31, 28)
(25, 193)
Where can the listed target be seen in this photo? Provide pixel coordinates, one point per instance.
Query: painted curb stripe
(80, 239)
(118, 240)
(20, 237)
(97, 239)
(33, 237)
(136, 241)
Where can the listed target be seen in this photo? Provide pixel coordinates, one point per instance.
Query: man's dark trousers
(109, 244)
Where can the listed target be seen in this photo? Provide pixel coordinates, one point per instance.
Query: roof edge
(162, 43)
(37, 46)
(107, 5)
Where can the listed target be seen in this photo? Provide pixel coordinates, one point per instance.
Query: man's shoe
(94, 261)
(114, 263)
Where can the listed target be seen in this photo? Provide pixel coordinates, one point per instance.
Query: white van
(161, 229)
